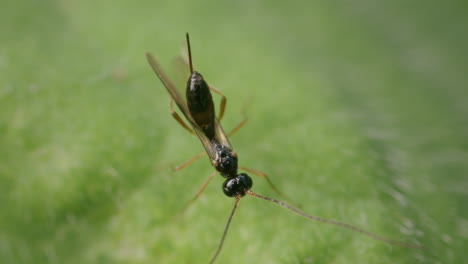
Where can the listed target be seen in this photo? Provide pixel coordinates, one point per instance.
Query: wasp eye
(237, 185)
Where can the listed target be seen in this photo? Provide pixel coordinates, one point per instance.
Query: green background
(358, 111)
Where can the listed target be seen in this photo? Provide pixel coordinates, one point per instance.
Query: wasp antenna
(189, 52)
(220, 246)
(340, 224)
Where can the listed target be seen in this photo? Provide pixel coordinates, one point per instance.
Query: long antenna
(189, 52)
(333, 222)
(220, 246)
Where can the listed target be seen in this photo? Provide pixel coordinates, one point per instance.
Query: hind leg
(177, 116)
(222, 104)
(201, 190)
(188, 162)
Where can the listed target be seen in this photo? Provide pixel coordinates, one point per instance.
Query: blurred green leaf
(358, 112)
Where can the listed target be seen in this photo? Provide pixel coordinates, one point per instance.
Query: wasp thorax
(226, 162)
(237, 185)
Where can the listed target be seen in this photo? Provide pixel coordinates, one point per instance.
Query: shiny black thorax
(226, 160)
(200, 104)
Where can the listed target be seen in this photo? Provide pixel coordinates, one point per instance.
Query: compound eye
(237, 185)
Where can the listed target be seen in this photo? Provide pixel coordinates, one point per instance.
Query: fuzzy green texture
(358, 111)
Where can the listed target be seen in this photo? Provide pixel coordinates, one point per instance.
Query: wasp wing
(171, 88)
(220, 136)
(181, 103)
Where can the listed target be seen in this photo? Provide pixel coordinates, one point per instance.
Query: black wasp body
(201, 107)
(198, 109)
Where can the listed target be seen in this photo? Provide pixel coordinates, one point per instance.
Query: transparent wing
(220, 136)
(179, 72)
(171, 88)
(180, 102)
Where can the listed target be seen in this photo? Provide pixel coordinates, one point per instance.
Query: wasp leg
(188, 162)
(177, 117)
(239, 125)
(263, 175)
(222, 104)
(200, 191)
